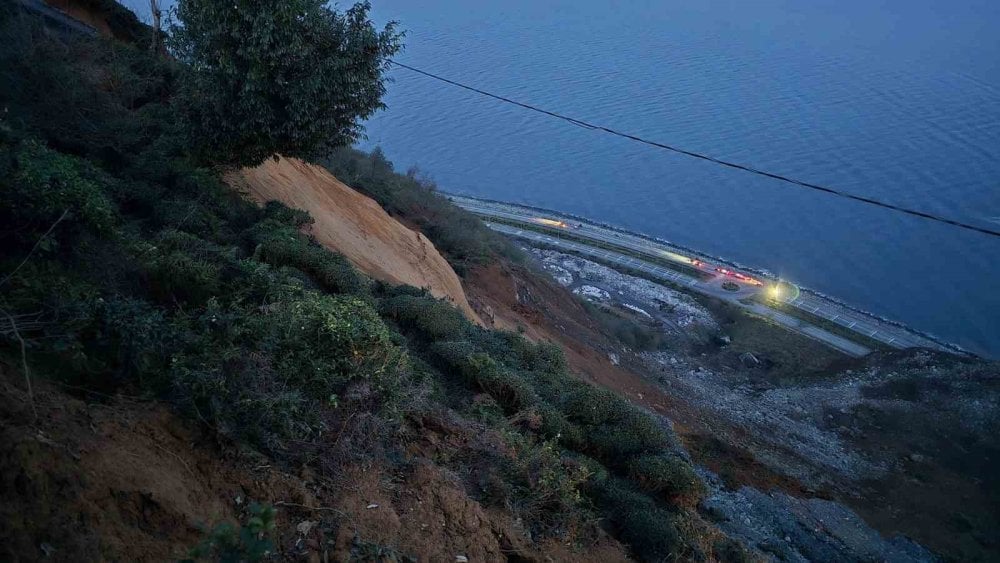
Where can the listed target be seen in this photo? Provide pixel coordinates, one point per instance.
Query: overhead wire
(708, 158)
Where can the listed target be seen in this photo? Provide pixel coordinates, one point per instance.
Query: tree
(278, 76)
(154, 12)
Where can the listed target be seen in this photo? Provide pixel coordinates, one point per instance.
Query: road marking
(805, 302)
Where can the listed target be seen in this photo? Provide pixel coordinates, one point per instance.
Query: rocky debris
(593, 293)
(791, 434)
(749, 360)
(676, 308)
(787, 528)
(639, 310)
(561, 275)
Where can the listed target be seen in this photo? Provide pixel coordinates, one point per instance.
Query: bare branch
(24, 362)
(34, 248)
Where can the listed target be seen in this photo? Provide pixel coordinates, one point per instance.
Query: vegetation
(129, 266)
(458, 234)
(228, 544)
(822, 322)
(292, 77)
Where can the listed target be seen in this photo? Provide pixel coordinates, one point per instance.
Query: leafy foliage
(39, 185)
(459, 235)
(250, 542)
(651, 531)
(162, 282)
(280, 76)
(668, 476)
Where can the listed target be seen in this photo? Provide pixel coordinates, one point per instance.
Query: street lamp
(774, 292)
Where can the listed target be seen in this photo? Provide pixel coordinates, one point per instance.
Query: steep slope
(354, 225)
(122, 479)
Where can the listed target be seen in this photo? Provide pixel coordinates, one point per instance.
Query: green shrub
(668, 476)
(265, 374)
(518, 352)
(651, 533)
(250, 542)
(182, 268)
(344, 332)
(433, 319)
(546, 488)
(39, 185)
(636, 434)
(282, 245)
(593, 406)
(277, 211)
(122, 340)
(556, 427)
(482, 371)
(614, 428)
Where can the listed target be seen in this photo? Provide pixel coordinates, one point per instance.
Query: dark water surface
(894, 99)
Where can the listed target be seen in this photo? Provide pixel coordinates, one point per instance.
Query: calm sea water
(894, 99)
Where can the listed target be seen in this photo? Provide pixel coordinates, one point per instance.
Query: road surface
(887, 333)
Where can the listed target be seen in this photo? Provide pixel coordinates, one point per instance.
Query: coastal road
(709, 287)
(575, 235)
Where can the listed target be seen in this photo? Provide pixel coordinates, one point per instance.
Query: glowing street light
(774, 292)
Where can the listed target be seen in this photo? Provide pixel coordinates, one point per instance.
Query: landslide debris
(355, 226)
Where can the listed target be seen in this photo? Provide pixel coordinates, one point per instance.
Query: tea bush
(669, 476)
(160, 281)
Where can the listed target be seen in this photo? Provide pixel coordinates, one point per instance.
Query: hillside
(354, 226)
(324, 359)
(187, 373)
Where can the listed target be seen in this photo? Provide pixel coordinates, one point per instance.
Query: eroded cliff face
(355, 226)
(84, 12)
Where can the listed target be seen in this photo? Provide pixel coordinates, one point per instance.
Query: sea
(896, 100)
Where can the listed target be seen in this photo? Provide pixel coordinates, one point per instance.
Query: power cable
(693, 154)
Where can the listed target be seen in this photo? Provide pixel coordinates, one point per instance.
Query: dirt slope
(119, 479)
(354, 225)
(85, 13)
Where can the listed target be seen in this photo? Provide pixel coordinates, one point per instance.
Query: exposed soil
(355, 226)
(83, 12)
(779, 426)
(115, 478)
(512, 297)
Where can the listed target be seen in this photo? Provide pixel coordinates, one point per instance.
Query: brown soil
(355, 226)
(946, 499)
(512, 297)
(127, 480)
(83, 12)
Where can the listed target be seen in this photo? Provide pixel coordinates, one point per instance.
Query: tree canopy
(294, 77)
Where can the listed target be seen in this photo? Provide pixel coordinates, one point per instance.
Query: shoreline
(943, 344)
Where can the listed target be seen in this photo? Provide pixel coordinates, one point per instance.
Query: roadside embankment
(355, 226)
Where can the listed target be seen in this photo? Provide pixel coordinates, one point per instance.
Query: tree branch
(34, 248)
